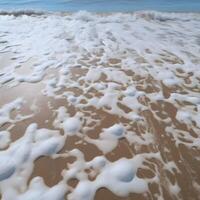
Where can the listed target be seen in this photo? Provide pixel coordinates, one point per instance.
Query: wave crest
(18, 13)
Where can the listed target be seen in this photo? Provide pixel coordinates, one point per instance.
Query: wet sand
(172, 168)
(50, 169)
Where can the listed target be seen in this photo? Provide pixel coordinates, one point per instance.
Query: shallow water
(100, 106)
(102, 5)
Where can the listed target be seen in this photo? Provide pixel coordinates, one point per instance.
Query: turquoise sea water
(102, 5)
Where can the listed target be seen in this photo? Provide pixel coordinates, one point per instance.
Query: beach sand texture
(100, 106)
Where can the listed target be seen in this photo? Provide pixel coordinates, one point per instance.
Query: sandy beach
(100, 106)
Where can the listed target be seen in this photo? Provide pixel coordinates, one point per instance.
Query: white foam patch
(93, 75)
(120, 177)
(17, 160)
(6, 113)
(108, 139)
(71, 125)
(38, 190)
(4, 139)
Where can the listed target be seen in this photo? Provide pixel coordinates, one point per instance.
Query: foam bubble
(123, 171)
(4, 139)
(71, 125)
(116, 130)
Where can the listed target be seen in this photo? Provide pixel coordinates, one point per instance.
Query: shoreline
(36, 12)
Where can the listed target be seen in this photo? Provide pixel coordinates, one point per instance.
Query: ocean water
(102, 5)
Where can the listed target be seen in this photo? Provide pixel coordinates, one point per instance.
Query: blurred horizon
(101, 5)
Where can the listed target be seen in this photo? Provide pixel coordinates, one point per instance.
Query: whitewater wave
(147, 14)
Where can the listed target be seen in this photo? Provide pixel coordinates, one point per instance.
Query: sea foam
(139, 71)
